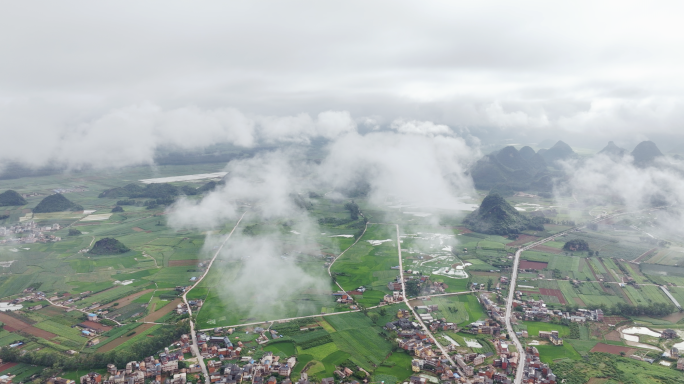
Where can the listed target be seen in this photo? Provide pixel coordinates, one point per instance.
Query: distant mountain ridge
(509, 169)
(613, 150)
(560, 151)
(518, 169)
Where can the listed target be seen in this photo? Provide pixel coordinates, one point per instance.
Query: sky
(585, 72)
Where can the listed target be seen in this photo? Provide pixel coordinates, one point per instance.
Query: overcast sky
(585, 72)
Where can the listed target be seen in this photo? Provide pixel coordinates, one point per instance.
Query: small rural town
(308, 192)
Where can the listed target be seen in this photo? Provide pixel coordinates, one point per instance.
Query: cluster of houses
(486, 327)
(551, 336)
(494, 311)
(149, 370)
(214, 346)
(426, 286)
(258, 372)
(463, 360)
(33, 233)
(535, 371)
(448, 374)
(536, 310)
(410, 336)
(395, 297)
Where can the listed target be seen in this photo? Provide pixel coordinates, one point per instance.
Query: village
(31, 233)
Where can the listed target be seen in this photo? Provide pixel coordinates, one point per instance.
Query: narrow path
(343, 252)
(195, 348)
(76, 309)
(153, 259)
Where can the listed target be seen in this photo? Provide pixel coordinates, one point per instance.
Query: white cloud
(426, 128)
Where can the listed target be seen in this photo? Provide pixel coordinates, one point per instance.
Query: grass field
(396, 369)
(533, 328)
(549, 353)
(356, 335)
(369, 265)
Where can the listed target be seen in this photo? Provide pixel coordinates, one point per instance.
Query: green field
(550, 353)
(369, 265)
(533, 328)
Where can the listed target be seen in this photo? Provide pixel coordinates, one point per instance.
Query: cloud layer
(530, 70)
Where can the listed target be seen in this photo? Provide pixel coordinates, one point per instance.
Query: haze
(78, 75)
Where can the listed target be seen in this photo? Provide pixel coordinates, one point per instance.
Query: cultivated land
(139, 286)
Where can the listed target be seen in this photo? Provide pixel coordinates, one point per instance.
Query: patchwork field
(369, 265)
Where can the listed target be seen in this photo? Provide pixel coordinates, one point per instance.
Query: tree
(489, 284)
(353, 209)
(383, 311)
(412, 287)
(374, 317)
(74, 232)
(576, 245)
(360, 374)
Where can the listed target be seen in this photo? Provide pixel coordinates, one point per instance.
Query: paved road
(195, 348)
(418, 319)
(514, 277)
(509, 327)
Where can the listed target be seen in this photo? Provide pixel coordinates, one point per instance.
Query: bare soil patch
(612, 336)
(154, 316)
(416, 302)
(522, 239)
(595, 380)
(646, 254)
(182, 263)
(538, 265)
(553, 292)
(128, 299)
(614, 349)
(464, 230)
(579, 301)
(612, 320)
(6, 366)
(98, 326)
(546, 248)
(19, 325)
(113, 344)
(675, 317)
(481, 273)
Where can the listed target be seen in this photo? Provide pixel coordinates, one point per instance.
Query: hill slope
(518, 170)
(645, 152)
(11, 198)
(108, 246)
(497, 217)
(560, 151)
(612, 150)
(56, 203)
